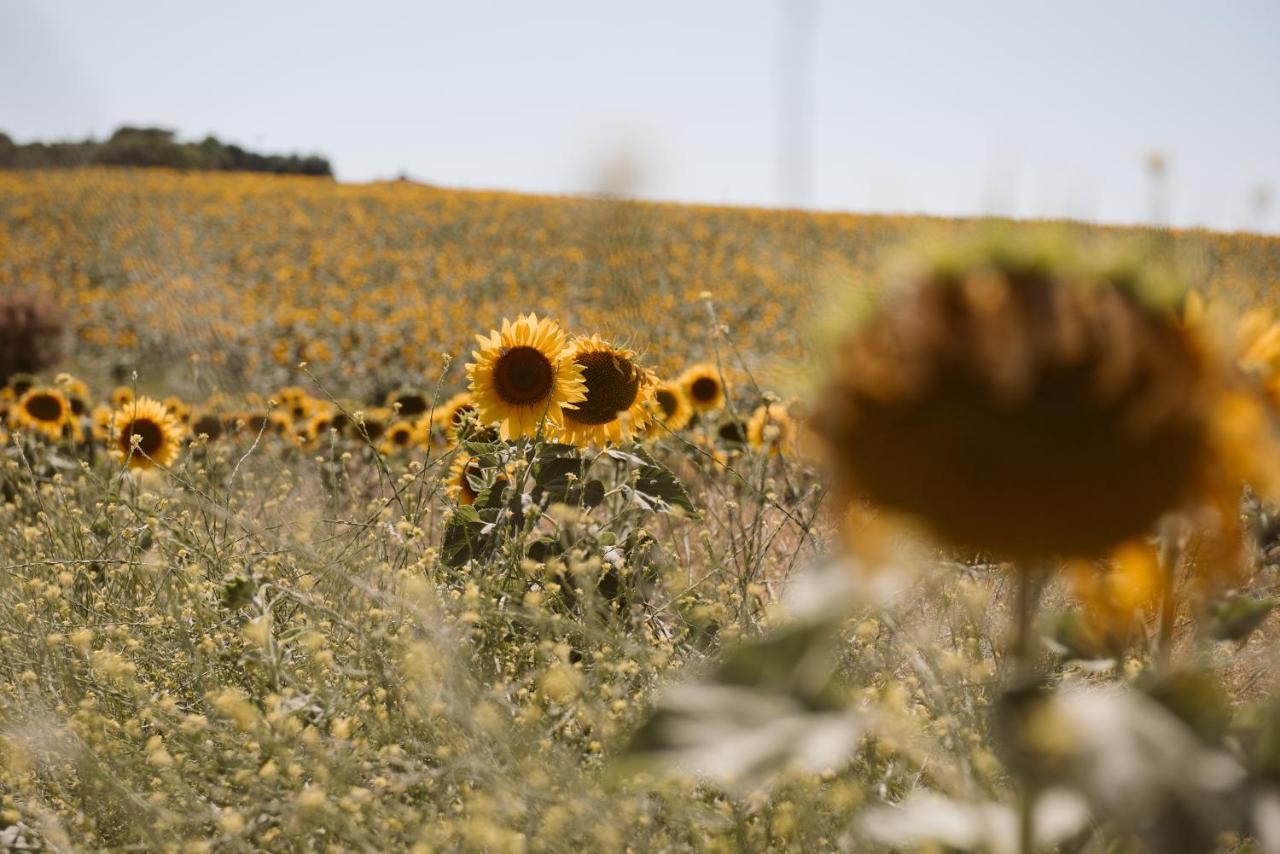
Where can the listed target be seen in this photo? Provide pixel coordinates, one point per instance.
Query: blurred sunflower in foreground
(524, 374)
(1023, 403)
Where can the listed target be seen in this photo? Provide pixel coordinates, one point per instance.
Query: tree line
(154, 147)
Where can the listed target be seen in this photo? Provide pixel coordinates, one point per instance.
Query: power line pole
(795, 102)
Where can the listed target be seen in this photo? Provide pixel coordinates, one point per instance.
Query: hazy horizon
(1022, 112)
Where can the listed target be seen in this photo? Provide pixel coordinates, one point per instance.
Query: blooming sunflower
(399, 436)
(670, 406)
(208, 424)
(121, 395)
(703, 387)
(145, 434)
(524, 374)
(77, 393)
(771, 428)
(616, 405)
(21, 383)
(43, 410)
(411, 402)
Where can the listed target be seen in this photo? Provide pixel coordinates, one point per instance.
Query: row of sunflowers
(528, 379)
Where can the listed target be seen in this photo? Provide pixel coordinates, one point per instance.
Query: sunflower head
(144, 434)
(459, 485)
(703, 387)
(771, 429)
(616, 406)
(77, 393)
(399, 436)
(208, 424)
(21, 383)
(524, 374)
(456, 420)
(670, 407)
(121, 395)
(43, 410)
(1020, 405)
(408, 402)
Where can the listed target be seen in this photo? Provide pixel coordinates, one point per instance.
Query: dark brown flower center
(705, 388)
(209, 425)
(667, 401)
(149, 433)
(612, 385)
(523, 376)
(733, 431)
(401, 435)
(460, 415)
(412, 403)
(45, 407)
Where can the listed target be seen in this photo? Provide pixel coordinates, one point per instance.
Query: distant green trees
(152, 146)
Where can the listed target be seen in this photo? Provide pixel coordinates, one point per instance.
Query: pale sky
(1015, 107)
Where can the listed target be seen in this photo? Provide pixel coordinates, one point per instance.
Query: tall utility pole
(795, 102)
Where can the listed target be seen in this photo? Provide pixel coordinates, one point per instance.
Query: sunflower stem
(1024, 649)
(1170, 561)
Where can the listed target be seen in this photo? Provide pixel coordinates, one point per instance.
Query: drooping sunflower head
(44, 410)
(771, 429)
(144, 434)
(1019, 403)
(458, 484)
(703, 387)
(616, 406)
(670, 407)
(524, 374)
(456, 420)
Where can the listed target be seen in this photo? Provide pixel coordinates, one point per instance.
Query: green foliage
(155, 147)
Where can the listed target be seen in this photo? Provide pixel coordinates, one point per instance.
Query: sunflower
(458, 484)
(372, 424)
(524, 374)
(179, 409)
(457, 420)
(207, 424)
(319, 425)
(1020, 403)
(408, 402)
(145, 434)
(703, 387)
(301, 408)
(121, 395)
(21, 383)
(771, 428)
(670, 406)
(399, 436)
(100, 421)
(44, 410)
(77, 393)
(732, 434)
(617, 403)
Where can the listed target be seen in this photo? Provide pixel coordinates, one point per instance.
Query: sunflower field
(388, 517)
